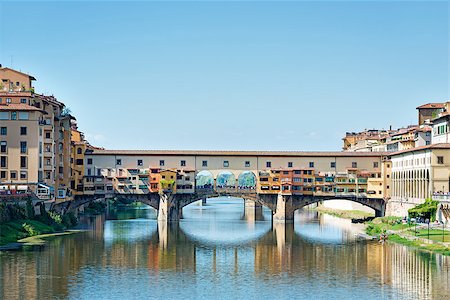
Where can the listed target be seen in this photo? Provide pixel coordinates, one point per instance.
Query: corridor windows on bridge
(140, 162)
(311, 164)
(333, 164)
(161, 163)
(290, 164)
(247, 164)
(118, 162)
(226, 163)
(375, 164)
(354, 164)
(183, 163)
(440, 160)
(268, 164)
(204, 163)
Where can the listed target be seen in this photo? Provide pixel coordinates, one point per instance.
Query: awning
(3, 187)
(22, 187)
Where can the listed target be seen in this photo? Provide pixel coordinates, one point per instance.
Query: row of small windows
(226, 163)
(22, 115)
(4, 130)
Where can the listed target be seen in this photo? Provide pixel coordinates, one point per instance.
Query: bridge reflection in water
(220, 248)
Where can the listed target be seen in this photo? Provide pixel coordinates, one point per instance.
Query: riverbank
(345, 214)
(411, 235)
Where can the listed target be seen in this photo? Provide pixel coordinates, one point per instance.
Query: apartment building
(36, 139)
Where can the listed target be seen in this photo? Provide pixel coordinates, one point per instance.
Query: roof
(432, 146)
(431, 105)
(234, 153)
(19, 106)
(6, 68)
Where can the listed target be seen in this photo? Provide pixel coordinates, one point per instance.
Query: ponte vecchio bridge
(281, 181)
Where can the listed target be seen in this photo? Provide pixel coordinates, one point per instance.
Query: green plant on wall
(167, 184)
(425, 210)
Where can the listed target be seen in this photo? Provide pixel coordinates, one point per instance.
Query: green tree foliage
(425, 210)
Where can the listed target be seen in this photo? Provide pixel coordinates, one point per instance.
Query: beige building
(36, 139)
(417, 174)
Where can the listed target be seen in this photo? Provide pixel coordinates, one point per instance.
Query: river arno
(220, 251)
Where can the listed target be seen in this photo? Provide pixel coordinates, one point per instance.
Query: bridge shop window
(268, 164)
(311, 164)
(290, 164)
(118, 162)
(183, 163)
(140, 162)
(226, 163)
(247, 164)
(204, 163)
(333, 164)
(161, 163)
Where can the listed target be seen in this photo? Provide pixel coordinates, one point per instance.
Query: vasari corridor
(224, 149)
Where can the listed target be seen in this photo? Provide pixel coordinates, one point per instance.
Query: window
(23, 162)
(354, 164)
(290, 164)
(23, 175)
(8, 100)
(226, 163)
(3, 131)
(24, 115)
(79, 162)
(23, 131)
(3, 175)
(118, 162)
(13, 115)
(333, 164)
(375, 164)
(23, 100)
(247, 164)
(440, 160)
(23, 147)
(79, 151)
(13, 175)
(89, 172)
(4, 115)
(89, 161)
(161, 163)
(3, 163)
(311, 164)
(204, 163)
(268, 164)
(99, 172)
(3, 147)
(48, 135)
(140, 162)
(183, 163)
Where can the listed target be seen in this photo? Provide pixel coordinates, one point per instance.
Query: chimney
(390, 127)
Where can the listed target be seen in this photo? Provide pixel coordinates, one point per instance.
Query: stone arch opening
(225, 180)
(204, 180)
(247, 181)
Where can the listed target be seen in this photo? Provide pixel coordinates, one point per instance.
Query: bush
(69, 220)
(29, 229)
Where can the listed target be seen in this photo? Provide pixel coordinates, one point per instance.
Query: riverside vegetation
(18, 222)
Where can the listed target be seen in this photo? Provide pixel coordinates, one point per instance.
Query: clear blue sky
(231, 75)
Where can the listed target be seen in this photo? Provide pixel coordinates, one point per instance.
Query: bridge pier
(252, 210)
(284, 212)
(169, 208)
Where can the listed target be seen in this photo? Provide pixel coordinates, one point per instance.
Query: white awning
(3, 187)
(22, 187)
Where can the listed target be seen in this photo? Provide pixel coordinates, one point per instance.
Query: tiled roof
(19, 106)
(432, 146)
(234, 153)
(432, 105)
